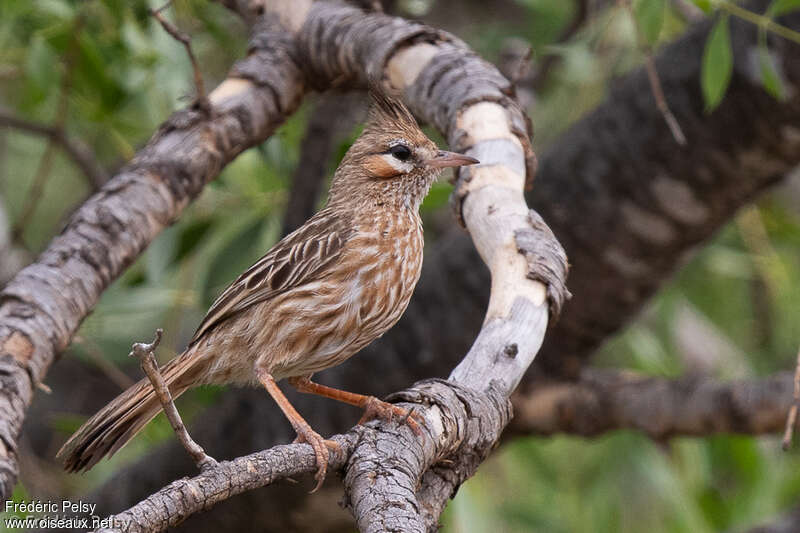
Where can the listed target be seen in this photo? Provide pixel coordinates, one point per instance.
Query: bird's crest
(387, 108)
(389, 116)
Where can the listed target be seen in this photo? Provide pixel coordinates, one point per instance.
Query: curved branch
(466, 98)
(42, 307)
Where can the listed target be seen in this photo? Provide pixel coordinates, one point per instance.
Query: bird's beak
(444, 159)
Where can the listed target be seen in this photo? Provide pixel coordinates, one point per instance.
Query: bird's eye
(400, 152)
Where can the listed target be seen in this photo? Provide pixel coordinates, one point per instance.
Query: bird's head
(393, 162)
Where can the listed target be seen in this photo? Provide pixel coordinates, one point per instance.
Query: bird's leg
(373, 407)
(301, 427)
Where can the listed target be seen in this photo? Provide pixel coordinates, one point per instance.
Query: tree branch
(458, 421)
(180, 499)
(42, 307)
(607, 400)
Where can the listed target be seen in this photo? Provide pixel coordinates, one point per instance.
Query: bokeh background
(109, 74)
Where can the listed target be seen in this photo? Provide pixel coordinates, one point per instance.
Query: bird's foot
(375, 408)
(320, 445)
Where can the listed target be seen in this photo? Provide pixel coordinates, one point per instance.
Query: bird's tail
(116, 423)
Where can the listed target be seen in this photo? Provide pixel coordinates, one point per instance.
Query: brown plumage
(316, 298)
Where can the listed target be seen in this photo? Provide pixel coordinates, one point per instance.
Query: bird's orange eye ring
(400, 152)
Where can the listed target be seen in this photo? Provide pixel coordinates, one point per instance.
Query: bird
(316, 298)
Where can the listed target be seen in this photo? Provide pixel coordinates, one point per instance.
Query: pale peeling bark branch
(467, 99)
(607, 400)
(42, 307)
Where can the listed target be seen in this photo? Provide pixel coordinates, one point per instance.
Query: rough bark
(42, 307)
(452, 293)
(605, 400)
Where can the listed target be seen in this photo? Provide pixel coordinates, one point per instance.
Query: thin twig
(145, 354)
(653, 78)
(661, 101)
(78, 151)
(759, 20)
(201, 100)
(792, 418)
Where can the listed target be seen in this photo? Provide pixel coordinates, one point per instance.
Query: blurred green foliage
(741, 291)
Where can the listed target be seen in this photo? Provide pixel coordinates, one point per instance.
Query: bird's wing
(299, 258)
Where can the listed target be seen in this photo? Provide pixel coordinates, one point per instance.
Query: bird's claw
(376, 408)
(320, 445)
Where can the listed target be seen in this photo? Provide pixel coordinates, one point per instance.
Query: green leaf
(781, 7)
(717, 64)
(649, 16)
(704, 5)
(769, 75)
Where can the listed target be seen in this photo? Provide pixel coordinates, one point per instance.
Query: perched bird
(316, 298)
